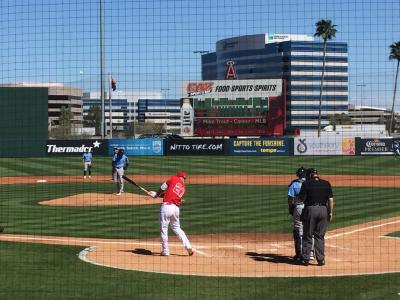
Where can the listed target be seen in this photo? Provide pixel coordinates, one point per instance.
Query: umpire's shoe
(321, 263)
(304, 262)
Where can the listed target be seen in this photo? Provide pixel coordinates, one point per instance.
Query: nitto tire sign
(75, 147)
(195, 147)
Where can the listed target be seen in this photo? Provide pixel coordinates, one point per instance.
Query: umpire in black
(318, 210)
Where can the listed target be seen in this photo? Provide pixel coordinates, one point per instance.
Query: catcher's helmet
(301, 172)
(181, 174)
(310, 172)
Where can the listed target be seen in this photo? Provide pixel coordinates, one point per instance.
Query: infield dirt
(353, 250)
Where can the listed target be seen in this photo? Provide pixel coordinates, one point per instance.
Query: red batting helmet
(181, 174)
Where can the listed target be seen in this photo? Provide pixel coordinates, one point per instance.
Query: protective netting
(199, 149)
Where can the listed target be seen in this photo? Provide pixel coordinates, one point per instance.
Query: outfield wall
(23, 121)
(342, 146)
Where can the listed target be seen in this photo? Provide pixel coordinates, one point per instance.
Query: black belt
(316, 204)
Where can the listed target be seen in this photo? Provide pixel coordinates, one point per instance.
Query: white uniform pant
(119, 172)
(169, 215)
(87, 166)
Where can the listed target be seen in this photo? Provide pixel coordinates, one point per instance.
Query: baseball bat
(134, 183)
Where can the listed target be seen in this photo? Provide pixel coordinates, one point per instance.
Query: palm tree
(394, 54)
(326, 30)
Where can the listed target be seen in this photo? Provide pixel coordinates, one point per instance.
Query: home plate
(41, 180)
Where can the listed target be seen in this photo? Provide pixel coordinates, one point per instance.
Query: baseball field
(70, 238)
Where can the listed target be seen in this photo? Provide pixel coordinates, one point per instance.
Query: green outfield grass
(207, 209)
(47, 272)
(395, 234)
(376, 165)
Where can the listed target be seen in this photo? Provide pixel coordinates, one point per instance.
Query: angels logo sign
(230, 72)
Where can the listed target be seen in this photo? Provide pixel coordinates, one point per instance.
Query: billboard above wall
(232, 89)
(233, 108)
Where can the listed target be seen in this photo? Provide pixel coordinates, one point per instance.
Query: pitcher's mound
(97, 199)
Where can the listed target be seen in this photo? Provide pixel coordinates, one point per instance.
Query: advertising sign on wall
(232, 89)
(138, 146)
(187, 117)
(324, 146)
(75, 147)
(375, 146)
(195, 147)
(278, 146)
(232, 126)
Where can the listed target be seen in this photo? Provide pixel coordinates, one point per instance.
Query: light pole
(101, 36)
(361, 85)
(110, 103)
(164, 92)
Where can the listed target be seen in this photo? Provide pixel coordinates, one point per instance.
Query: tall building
(124, 106)
(119, 110)
(59, 96)
(295, 58)
(160, 111)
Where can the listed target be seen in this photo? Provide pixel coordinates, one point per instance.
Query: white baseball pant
(169, 215)
(119, 172)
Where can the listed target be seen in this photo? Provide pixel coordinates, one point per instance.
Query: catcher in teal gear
(296, 206)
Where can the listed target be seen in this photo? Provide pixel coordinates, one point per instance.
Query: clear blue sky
(149, 43)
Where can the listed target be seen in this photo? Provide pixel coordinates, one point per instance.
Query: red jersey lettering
(175, 190)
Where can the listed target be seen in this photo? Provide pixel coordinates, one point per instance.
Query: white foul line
(201, 252)
(361, 229)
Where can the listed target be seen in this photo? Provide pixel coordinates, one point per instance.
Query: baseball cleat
(84, 177)
(164, 254)
(1, 229)
(190, 252)
(118, 194)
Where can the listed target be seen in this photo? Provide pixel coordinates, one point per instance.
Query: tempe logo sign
(74, 147)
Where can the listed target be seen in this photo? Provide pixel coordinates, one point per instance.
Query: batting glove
(152, 194)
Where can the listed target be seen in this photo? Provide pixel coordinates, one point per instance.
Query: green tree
(66, 121)
(326, 30)
(339, 119)
(93, 118)
(394, 54)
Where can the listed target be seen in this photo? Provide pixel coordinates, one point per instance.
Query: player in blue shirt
(295, 209)
(87, 163)
(120, 162)
(396, 149)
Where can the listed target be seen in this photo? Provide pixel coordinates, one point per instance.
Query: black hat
(310, 172)
(121, 151)
(301, 172)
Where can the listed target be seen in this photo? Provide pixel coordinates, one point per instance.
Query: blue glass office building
(295, 58)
